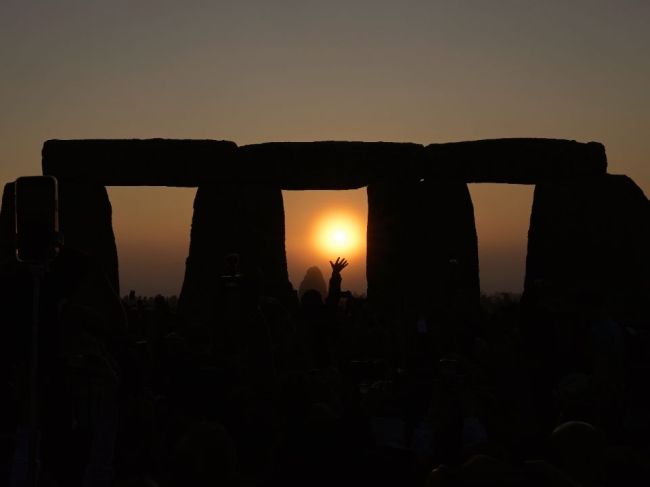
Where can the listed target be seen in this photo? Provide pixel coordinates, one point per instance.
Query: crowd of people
(317, 389)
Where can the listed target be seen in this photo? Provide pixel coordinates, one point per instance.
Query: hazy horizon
(502, 233)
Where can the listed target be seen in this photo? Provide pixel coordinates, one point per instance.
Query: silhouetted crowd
(317, 388)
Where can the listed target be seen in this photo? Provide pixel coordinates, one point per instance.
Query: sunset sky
(257, 71)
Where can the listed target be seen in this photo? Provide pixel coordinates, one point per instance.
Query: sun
(339, 237)
(338, 234)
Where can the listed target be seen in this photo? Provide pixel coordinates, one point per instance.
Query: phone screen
(37, 218)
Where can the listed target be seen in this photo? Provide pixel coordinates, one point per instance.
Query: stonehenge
(587, 227)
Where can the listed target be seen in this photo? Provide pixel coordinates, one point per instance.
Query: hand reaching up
(338, 265)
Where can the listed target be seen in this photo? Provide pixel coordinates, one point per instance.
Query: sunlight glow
(339, 234)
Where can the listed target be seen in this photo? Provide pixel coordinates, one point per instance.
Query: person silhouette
(313, 280)
(319, 319)
(311, 298)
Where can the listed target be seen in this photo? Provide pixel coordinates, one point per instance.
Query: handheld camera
(36, 219)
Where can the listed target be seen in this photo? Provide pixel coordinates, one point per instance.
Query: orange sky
(145, 217)
(257, 71)
(305, 212)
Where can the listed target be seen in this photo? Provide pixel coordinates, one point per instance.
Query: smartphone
(36, 218)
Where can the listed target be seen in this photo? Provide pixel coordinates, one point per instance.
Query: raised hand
(338, 265)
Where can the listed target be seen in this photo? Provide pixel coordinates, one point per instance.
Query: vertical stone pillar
(422, 247)
(588, 240)
(246, 219)
(85, 217)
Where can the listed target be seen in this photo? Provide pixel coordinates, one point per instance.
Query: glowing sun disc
(339, 235)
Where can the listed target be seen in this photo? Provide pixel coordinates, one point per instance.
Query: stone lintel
(514, 161)
(319, 165)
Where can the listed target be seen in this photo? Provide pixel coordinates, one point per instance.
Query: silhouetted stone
(517, 161)
(152, 162)
(588, 245)
(318, 165)
(85, 218)
(231, 218)
(422, 251)
(328, 165)
(398, 206)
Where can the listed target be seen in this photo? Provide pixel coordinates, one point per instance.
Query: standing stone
(85, 219)
(422, 252)
(588, 245)
(234, 218)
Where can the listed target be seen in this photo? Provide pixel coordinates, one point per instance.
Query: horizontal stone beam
(516, 161)
(329, 165)
(150, 162)
(319, 165)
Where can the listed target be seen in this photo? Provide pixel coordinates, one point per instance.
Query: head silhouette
(313, 280)
(578, 448)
